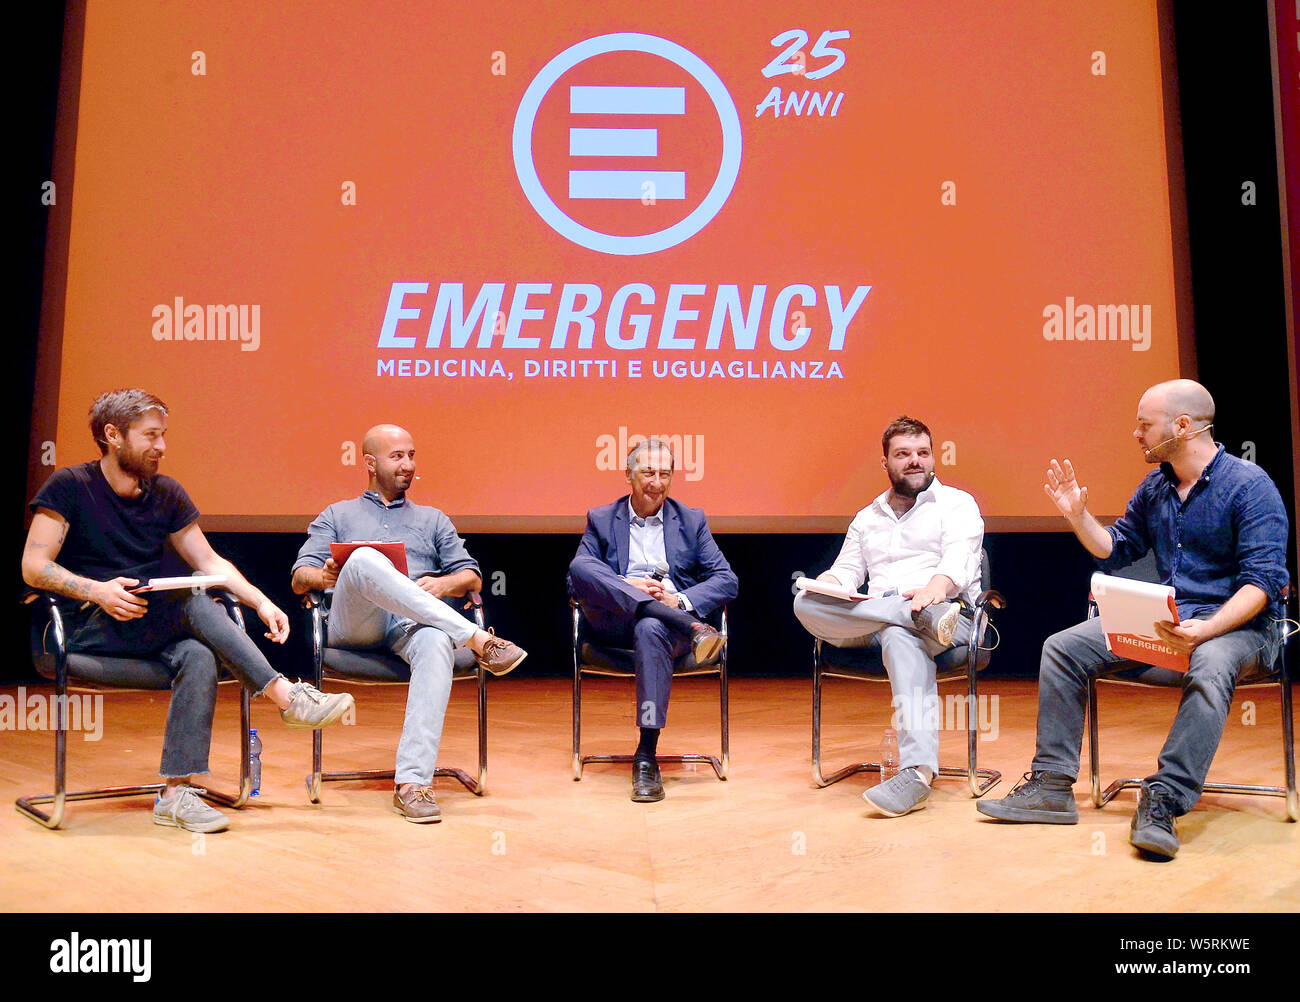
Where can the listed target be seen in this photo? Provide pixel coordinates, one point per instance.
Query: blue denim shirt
(1231, 531)
(432, 544)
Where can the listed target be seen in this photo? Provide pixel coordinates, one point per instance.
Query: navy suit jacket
(696, 565)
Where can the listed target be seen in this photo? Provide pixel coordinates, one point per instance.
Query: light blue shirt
(646, 547)
(432, 544)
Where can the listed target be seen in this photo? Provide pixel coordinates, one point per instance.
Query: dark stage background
(1226, 106)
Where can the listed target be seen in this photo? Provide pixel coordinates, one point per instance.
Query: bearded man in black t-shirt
(106, 523)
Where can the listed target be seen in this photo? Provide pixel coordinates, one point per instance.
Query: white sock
(926, 774)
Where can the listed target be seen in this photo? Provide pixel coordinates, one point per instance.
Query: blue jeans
(376, 605)
(1071, 656)
(188, 633)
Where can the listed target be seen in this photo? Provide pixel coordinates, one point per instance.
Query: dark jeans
(1072, 655)
(187, 633)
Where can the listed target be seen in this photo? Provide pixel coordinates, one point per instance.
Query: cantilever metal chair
(100, 673)
(379, 666)
(1260, 676)
(864, 664)
(596, 655)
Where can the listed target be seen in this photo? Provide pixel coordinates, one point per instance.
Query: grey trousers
(376, 605)
(1072, 655)
(907, 654)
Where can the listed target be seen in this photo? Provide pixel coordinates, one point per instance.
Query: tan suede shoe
(416, 804)
(500, 656)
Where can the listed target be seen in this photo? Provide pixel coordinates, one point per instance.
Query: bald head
(381, 436)
(1177, 397)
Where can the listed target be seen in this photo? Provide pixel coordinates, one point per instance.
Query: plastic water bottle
(255, 762)
(889, 755)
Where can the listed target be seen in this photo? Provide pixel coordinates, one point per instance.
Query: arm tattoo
(54, 578)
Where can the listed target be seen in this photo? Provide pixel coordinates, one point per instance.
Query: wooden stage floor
(765, 840)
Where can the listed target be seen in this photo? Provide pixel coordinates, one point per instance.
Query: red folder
(395, 552)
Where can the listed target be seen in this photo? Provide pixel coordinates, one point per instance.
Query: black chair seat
(865, 662)
(1138, 673)
(620, 662)
(111, 672)
(382, 665)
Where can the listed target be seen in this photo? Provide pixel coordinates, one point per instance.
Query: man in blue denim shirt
(1219, 531)
(376, 605)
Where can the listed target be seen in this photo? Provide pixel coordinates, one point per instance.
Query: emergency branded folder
(1129, 611)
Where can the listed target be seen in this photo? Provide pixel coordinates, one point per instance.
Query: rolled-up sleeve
(315, 549)
(1130, 536)
(960, 541)
(1262, 532)
(452, 554)
(850, 567)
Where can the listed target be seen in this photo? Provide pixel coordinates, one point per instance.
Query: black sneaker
(1043, 797)
(1153, 823)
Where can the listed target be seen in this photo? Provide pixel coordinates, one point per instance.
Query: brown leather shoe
(500, 656)
(416, 804)
(706, 643)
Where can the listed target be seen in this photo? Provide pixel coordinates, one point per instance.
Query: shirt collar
(378, 499)
(1172, 478)
(929, 494)
(656, 519)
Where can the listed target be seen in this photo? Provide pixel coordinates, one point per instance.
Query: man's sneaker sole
(993, 809)
(417, 821)
(946, 628)
(894, 814)
(498, 672)
(1150, 843)
(341, 708)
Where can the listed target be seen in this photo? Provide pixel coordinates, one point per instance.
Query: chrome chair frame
(1276, 675)
(720, 764)
(314, 603)
(60, 797)
(979, 780)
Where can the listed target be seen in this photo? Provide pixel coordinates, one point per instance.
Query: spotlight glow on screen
(531, 233)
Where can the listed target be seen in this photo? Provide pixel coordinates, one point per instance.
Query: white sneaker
(185, 809)
(311, 709)
(904, 793)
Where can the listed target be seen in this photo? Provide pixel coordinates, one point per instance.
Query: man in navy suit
(618, 576)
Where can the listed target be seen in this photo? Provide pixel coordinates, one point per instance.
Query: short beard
(902, 489)
(135, 465)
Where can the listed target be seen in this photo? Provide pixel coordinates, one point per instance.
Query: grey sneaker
(1045, 797)
(939, 622)
(904, 793)
(311, 709)
(184, 809)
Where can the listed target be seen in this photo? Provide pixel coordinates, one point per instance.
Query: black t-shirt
(109, 535)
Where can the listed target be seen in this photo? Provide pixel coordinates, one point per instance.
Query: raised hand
(1063, 488)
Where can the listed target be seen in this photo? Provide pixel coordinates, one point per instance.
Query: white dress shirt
(941, 533)
(645, 545)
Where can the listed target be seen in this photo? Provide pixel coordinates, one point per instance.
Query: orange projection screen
(531, 233)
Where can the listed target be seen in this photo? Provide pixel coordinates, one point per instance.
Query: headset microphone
(1153, 448)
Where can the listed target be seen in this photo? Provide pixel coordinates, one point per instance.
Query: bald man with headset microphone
(1219, 532)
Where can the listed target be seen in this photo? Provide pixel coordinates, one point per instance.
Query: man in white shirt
(919, 545)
